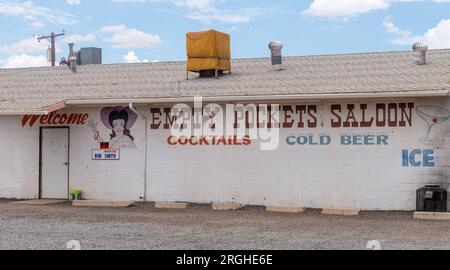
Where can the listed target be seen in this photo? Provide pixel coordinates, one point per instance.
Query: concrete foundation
(281, 209)
(340, 212)
(432, 215)
(226, 207)
(91, 203)
(169, 205)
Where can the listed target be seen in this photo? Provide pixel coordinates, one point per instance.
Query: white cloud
(404, 37)
(333, 8)
(30, 45)
(73, 2)
(37, 24)
(229, 17)
(132, 1)
(437, 37)
(197, 4)
(131, 57)
(80, 38)
(35, 14)
(123, 37)
(207, 11)
(203, 5)
(344, 8)
(25, 60)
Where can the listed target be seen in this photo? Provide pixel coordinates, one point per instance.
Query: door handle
(66, 163)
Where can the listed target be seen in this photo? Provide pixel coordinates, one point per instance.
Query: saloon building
(361, 131)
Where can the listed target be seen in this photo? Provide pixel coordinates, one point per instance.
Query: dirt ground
(143, 227)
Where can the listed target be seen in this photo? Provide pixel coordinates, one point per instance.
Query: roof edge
(23, 69)
(14, 112)
(55, 107)
(220, 99)
(262, 98)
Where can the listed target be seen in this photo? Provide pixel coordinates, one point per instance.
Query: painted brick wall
(19, 161)
(368, 177)
(107, 180)
(102, 180)
(365, 177)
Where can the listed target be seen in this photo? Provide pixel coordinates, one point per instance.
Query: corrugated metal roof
(33, 89)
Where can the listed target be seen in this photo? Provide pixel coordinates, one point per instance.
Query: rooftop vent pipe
(277, 57)
(420, 49)
(72, 58)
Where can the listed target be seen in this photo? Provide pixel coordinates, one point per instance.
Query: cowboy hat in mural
(120, 120)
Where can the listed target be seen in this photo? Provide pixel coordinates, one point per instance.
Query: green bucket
(74, 194)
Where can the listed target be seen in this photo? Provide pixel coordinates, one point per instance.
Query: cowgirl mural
(120, 121)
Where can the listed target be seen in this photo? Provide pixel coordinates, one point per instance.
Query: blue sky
(154, 30)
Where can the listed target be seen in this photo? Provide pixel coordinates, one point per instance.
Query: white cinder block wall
(106, 180)
(369, 177)
(19, 161)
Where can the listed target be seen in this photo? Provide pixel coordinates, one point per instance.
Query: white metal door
(55, 163)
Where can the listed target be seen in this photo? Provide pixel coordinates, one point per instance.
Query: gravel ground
(143, 227)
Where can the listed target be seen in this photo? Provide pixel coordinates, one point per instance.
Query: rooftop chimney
(71, 45)
(420, 50)
(72, 58)
(277, 57)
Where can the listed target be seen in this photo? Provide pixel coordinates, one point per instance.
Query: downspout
(144, 198)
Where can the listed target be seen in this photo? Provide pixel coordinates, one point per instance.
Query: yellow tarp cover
(208, 50)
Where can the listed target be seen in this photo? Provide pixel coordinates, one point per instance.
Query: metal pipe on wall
(144, 197)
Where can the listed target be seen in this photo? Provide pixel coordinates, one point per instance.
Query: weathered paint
(360, 155)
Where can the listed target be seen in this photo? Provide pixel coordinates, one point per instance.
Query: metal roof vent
(90, 56)
(277, 57)
(72, 58)
(420, 49)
